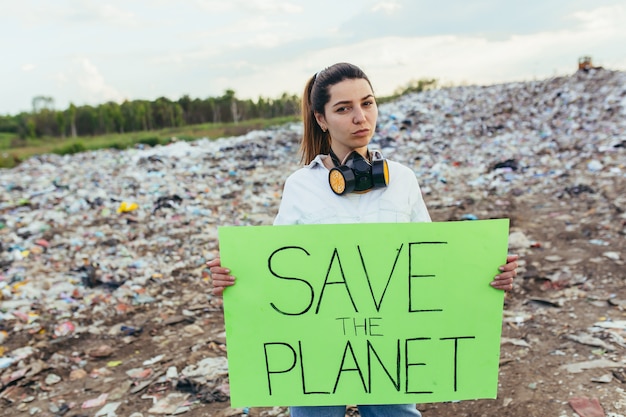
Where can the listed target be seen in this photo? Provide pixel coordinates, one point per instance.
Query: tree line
(144, 115)
(141, 115)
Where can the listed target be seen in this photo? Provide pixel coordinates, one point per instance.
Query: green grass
(5, 140)
(13, 150)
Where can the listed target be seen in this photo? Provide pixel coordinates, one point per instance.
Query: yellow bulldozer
(585, 64)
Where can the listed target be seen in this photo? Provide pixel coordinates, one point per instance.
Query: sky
(90, 52)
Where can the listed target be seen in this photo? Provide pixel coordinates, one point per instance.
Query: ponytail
(314, 140)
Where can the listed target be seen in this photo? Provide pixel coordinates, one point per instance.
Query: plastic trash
(127, 207)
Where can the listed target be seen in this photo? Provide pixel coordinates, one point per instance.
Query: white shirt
(308, 199)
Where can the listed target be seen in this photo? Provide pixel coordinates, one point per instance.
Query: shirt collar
(319, 160)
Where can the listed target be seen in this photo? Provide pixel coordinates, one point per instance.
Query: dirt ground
(541, 315)
(532, 380)
(564, 323)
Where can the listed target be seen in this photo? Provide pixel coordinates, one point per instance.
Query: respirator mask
(357, 174)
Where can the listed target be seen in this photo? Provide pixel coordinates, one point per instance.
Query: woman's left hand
(504, 280)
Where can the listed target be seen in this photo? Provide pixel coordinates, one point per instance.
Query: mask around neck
(357, 174)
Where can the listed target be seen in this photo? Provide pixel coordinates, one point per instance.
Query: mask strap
(335, 158)
(375, 154)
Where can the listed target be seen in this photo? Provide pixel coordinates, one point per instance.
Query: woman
(339, 113)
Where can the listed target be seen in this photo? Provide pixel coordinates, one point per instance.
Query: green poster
(363, 313)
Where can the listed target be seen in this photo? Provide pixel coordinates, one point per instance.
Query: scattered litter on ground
(105, 306)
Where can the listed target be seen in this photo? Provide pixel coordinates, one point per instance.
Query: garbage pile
(515, 137)
(103, 283)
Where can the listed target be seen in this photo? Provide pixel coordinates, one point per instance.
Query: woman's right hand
(220, 277)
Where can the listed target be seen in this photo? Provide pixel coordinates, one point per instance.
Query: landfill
(105, 298)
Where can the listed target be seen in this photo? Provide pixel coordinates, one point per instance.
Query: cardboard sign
(363, 313)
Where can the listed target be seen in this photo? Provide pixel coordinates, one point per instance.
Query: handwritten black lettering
(269, 371)
(370, 351)
(409, 364)
(341, 282)
(378, 303)
(456, 358)
(412, 276)
(356, 368)
(310, 287)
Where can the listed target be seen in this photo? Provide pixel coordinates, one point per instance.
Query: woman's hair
(316, 94)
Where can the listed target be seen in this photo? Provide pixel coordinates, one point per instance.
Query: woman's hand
(220, 277)
(504, 280)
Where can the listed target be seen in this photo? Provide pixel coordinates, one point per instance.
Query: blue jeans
(395, 410)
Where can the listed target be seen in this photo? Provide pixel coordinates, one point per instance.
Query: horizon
(264, 48)
(438, 86)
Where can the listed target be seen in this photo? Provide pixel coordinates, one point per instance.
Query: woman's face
(350, 116)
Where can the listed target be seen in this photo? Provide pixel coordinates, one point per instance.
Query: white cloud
(265, 40)
(215, 6)
(242, 28)
(93, 85)
(603, 19)
(394, 61)
(252, 31)
(44, 14)
(99, 11)
(387, 6)
(253, 6)
(149, 48)
(271, 5)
